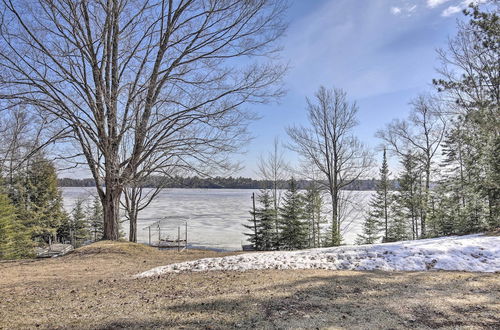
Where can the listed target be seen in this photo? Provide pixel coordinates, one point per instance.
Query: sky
(381, 52)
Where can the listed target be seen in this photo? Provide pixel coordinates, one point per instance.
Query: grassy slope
(92, 288)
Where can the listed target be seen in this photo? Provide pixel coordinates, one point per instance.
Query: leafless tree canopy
(23, 134)
(141, 84)
(422, 132)
(464, 58)
(329, 145)
(273, 168)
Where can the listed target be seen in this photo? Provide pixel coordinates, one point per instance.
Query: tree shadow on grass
(332, 299)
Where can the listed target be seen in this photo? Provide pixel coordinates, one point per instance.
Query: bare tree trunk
(132, 200)
(318, 236)
(312, 230)
(386, 206)
(132, 237)
(425, 201)
(111, 203)
(335, 218)
(111, 210)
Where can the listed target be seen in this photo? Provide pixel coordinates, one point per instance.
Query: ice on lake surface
(215, 216)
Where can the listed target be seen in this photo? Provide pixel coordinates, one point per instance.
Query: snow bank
(474, 253)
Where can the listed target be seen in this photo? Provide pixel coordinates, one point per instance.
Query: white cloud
(451, 10)
(466, 3)
(406, 10)
(395, 10)
(435, 3)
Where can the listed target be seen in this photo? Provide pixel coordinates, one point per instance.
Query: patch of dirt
(92, 288)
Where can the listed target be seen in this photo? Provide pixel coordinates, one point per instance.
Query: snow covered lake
(215, 217)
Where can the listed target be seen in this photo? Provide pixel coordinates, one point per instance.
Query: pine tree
(493, 186)
(312, 209)
(75, 228)
(371, 231)
(14, 238)
(449, 195)
(64, 231)
(439, 223)
(38, 199)
(267, 219)
(293, 231)
(380, 204)
(407, 202)
(253, 227)
(96, 219)
(377, 218)
(461, 205)
(79, 221)
(7, 219)
(262, 232)
(476, 96)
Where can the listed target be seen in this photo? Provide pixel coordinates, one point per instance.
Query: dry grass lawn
(92, 288)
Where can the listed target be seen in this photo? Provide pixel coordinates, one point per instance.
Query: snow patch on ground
(474, 253)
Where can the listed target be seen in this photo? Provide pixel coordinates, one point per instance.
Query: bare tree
(422, 133)
(469, 71)
(137, 197)
(23, 134)
(140, 192)
(328, 143)
(139, 82)
(274, 169)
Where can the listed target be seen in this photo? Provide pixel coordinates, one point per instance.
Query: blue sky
(381, 52)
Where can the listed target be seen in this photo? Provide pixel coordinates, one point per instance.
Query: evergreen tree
(7, 220)
(461, 206)
(380, 203)
(450, 194)
(75, 228)
(263, 235)
(477, 104)
(407, 202)
(38, 199)
(293, 231)
(371, 231)
(494, 186)
(440, 222)
(377, 218)
(96, 220)
(64, 231)
(267, 222)
(253, 235)
(313, 214)
(79, 221)
(14, 239)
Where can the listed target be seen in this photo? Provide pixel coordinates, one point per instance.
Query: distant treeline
(216, 183)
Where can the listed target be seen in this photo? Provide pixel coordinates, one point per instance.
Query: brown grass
(92, 288)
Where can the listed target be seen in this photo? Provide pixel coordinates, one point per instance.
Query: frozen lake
(215, 217)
